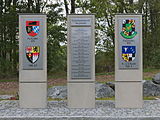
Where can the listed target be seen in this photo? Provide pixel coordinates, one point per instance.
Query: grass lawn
(109, 98)
(144, 98)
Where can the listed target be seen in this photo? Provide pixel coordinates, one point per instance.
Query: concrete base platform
(81, 95)
(129, 94)
(33, 95)
(58, 110)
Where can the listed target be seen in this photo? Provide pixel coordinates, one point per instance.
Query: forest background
(57, 11)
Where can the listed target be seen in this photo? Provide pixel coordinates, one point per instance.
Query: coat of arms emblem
(32, 53)
(128, 29)
(32, 28)
(128, 53)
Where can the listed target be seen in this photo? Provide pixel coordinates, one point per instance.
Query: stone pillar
(128, 61)
(81, 61)
(32, 61)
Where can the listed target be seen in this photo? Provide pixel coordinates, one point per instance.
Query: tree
(56, 35)
(73, 6)
(8, 38)
(105, 11)
(9, 34)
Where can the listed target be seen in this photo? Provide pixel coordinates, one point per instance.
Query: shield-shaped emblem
(32, 53)
(128, 29)
(32, 28)
(128, 53)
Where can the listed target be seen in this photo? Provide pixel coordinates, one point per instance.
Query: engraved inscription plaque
(81, 52)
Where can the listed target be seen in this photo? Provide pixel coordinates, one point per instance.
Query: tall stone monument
(32, 61)
(81, 61)
(128, 61)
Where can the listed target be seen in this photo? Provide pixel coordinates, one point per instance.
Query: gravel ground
(105, 110)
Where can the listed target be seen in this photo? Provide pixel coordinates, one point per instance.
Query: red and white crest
(32, 28)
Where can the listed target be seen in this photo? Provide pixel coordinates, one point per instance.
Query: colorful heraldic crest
(128, 29)
(32, 53)
(32, 28)
(128, 53)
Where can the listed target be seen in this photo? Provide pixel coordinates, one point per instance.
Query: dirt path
(9, 88)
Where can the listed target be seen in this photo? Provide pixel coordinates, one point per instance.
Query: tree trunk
(72, 6)
(66, 6)
(38, 6)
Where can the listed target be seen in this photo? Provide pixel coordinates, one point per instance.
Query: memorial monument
(128, 61)
(81, 61)
(32, 61)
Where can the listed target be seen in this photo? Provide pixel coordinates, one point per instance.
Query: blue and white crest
(128, 53)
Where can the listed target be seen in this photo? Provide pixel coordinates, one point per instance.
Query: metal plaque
(81, 52)
(32, 42)
(81, 21)
(128, 42)
(81, 47)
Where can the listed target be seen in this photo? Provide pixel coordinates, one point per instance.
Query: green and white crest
(128, 29)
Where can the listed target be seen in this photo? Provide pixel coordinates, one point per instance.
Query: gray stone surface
(79, 118)
(151, 89)
(111, 85)
(59, 92)
(156, 79)
(58, 110)
(103, 91)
